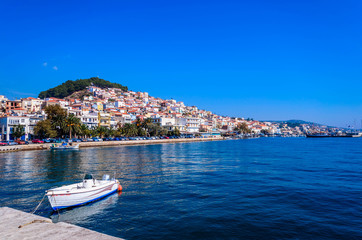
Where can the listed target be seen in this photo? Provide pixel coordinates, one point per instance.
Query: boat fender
(119, 188)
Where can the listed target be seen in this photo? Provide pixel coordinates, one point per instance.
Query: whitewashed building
(8, 123)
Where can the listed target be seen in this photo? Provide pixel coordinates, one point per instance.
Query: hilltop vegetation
(294, 123)
(70, 86)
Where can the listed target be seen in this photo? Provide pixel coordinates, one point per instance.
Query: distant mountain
(295, 122)
(70, 86)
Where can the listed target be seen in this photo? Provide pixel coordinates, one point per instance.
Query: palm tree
(146, 125)
(72, 124)
(102, 131)
(130, 130)
(84, 130)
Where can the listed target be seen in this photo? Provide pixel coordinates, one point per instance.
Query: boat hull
(65, 147)
(59, 200)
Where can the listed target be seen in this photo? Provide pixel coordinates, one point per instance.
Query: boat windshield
(88, 176)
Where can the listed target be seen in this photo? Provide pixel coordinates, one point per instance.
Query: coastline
(46, 146)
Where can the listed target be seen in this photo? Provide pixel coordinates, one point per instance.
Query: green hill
(295, 123)
(70, 86)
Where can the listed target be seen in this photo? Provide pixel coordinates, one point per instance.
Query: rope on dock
(35, 221)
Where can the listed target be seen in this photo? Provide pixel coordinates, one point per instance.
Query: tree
(130, 130)
(175, 132)
(72, 124)
(57, 116)
(109, 132)
(18, 131)
(69, 87)
(146, 124)
(203, 130)
(54, 112)
(94, 132)
(264, 131)
(155, 129)
(142, 132)
(43, 129)
(243, 128)
(84, 130)
(162, 132)
(102, 131)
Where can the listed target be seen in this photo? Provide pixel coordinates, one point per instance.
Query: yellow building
(99, 106)
(104, 119)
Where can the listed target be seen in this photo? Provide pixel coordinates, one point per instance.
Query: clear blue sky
(270, 60)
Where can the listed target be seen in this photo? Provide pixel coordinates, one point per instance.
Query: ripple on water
(248, 189)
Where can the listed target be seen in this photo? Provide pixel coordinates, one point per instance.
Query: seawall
(107, 143)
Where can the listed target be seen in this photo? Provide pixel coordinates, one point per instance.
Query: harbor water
(267, 188)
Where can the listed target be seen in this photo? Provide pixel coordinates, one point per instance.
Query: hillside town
(113, 107)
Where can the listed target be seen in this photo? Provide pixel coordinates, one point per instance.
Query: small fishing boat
(64, 146)
(81, 193)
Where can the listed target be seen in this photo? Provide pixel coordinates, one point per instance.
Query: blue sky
(269, 60)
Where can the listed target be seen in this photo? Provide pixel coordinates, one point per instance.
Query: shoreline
(46, 146)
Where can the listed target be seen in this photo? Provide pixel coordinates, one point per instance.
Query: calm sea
(268, 188)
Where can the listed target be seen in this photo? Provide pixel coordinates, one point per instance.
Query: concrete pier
(15, 224)
(10, 148)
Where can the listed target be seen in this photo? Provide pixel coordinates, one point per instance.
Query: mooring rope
(38, 204)
(35, 221)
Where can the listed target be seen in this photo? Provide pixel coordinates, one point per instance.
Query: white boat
(64, 147)
(81, 193)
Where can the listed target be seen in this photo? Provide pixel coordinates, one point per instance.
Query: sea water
(267, 188)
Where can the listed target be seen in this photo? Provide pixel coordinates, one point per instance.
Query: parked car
(76, 140)
(84, 139)
(97, 139)
(37, 141)
(21, 142)
(2, 144)
(10, 142)
(46, 140)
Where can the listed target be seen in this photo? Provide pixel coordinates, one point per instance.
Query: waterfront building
(33, 120)
(8, 123)
(188, 124)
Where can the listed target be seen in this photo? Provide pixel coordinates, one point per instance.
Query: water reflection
(83, 213)
(265, 188)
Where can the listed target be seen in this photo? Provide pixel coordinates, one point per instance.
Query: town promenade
(108, 143)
